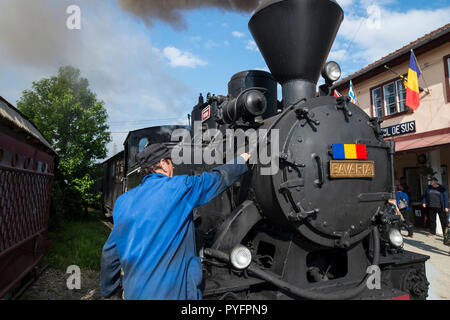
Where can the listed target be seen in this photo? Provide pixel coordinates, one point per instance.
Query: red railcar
(27, 164)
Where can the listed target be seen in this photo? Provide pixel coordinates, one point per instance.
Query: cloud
(251, 45)
(178, 58)
(35, 33)
(211, 44)
(370, 38)
(118, 58)
(338, 55)
(195, 38)
(238, 34)
(345, 3)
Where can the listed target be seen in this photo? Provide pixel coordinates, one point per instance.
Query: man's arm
(110, 268)
(425, 200)
(210, 184)
(446, 201)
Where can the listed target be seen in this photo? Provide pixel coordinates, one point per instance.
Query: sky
(148, 63)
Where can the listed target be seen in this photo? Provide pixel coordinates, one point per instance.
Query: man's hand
(446, 210)
(246, 156)
(424, 205)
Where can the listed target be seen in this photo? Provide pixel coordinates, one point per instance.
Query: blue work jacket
(153, 238)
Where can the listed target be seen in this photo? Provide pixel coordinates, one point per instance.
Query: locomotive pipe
(391, 156)
(276, 281)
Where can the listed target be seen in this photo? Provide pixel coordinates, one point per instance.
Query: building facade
(422, 137)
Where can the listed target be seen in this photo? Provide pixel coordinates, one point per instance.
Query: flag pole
(421, 72)
(404, 78)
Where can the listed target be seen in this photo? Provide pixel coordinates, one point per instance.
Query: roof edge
(398, 55)
(48, 145)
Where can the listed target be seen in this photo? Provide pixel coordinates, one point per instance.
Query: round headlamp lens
(240, 257)
(332, 71)
(395, 238)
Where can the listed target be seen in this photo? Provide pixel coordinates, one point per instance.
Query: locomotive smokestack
(295, 38)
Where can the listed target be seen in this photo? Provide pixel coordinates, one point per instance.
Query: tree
(69, 115)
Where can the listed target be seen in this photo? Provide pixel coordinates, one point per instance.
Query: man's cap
(434, 179)
(152, 154)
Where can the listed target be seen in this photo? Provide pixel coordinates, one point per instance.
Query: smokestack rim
(267, 3)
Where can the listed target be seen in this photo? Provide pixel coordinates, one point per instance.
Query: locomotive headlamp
(395, 238)
(240, 257)
(331, 71)
(249, 104)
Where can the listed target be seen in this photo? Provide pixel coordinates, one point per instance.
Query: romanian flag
(349, 152)
(412, 86)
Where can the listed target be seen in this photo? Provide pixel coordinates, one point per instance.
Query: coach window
(142, 144)
(119, 170)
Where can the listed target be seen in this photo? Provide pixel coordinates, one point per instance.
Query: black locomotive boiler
(320, 227)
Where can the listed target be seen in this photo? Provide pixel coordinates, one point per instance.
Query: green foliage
(69, 115)
(77, 242)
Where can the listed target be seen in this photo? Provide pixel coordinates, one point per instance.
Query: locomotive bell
(295, 38)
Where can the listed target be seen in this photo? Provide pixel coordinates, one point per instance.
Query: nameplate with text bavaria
(352, 169)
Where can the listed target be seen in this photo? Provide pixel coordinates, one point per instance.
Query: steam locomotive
(315, 228)
(319, 227)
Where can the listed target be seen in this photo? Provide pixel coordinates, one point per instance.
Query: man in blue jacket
(403, 206)
(436, 199)
(153, 238)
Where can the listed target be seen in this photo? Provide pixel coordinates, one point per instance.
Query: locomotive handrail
(319, 181)
(275, 280)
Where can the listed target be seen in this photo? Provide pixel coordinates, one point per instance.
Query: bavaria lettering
(352, 169)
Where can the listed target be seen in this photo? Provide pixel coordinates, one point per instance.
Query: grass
(77, 242)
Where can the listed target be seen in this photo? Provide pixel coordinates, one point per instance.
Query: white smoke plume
(171, 11)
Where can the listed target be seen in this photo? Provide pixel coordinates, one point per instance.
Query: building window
(401, 95)
(377, 102)
(447, 73)
(390, 103)
(389, 99)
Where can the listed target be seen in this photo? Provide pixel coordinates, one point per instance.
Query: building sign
(399, 129)
(206, 113)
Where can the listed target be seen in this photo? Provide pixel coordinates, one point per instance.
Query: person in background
(405, 187)
(436, 200)
(403, 206)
